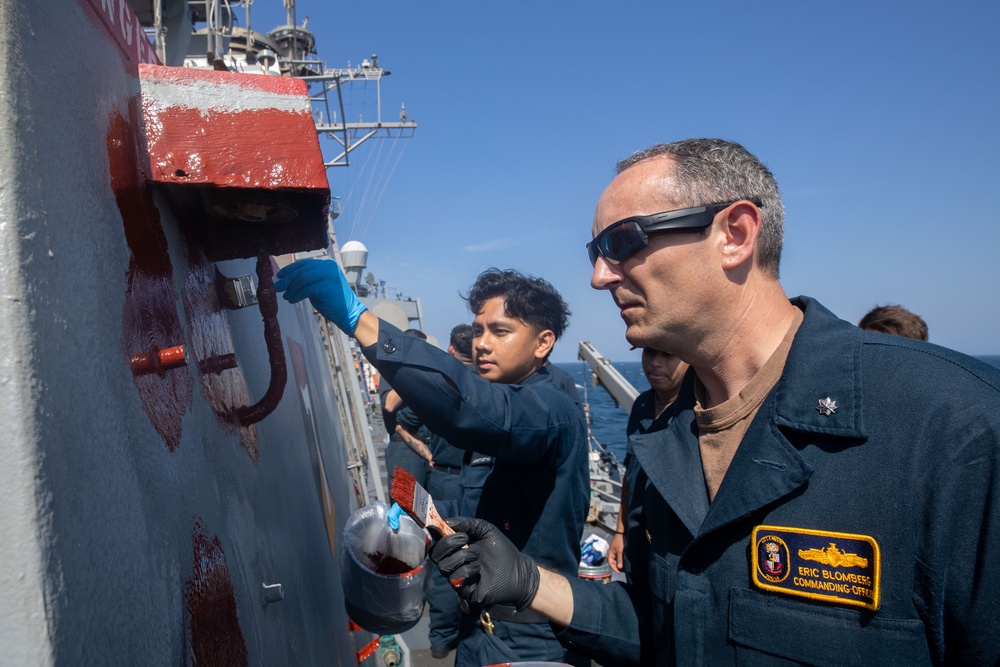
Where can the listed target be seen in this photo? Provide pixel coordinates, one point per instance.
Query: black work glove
(491, 571)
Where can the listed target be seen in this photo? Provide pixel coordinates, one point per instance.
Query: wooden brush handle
(440, 525)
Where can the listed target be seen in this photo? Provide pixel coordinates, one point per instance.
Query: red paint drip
(149, 320)
(216, 636)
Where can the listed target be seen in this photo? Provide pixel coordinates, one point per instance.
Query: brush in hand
(416, 502)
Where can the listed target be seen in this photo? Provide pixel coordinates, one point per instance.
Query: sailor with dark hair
(460, 343)
(537, 491)
(894, 320)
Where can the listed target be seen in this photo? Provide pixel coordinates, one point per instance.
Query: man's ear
(741, 226)
(543, 343)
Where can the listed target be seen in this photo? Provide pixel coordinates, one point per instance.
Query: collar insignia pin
(827, 406)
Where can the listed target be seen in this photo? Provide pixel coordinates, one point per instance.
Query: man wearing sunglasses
(821, 495)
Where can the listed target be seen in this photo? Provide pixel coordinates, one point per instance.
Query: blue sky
(879, 120)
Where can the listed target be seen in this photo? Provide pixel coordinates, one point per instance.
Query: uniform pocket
(661, 578)
(475, 473)
(472, 479)
(767, 628)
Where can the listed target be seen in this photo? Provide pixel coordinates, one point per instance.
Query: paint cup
(385, 574)
(602, 572)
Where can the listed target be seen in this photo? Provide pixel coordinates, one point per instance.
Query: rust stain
(216, 637)
(150, 321)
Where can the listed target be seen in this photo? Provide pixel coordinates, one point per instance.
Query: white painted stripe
(214, 96)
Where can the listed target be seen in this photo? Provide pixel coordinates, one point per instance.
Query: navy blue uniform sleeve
(408, 419)
(388, 418)
(609, 624)
(512, 422)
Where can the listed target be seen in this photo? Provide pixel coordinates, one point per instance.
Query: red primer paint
(262, 148)
(159, 361)
(216, 636)
(235, 150)
(368, 650)
(384, 564)
(222, 381)
(267, 300)
(149, 319)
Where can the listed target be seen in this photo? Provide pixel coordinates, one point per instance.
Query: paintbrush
(416, 502)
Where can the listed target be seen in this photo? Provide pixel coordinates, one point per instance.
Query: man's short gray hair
(713, 171)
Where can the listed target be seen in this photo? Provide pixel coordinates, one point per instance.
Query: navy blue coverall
(858, 523)
(537, 491)
(641, 419)
(397, 452)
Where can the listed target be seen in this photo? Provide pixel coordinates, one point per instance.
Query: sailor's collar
(820, 386)
(541, 375)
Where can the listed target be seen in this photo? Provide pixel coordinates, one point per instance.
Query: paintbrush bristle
(410, 495)
(403, 485)
(415, 501)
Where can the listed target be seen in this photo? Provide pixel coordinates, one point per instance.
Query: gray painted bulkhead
(98, 515)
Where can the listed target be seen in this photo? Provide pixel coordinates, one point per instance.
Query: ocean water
(609, 420)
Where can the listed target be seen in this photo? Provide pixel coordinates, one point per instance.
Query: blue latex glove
(324, 284)
(393, 516)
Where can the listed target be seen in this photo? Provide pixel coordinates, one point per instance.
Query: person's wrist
(531, 589)
(366, 330)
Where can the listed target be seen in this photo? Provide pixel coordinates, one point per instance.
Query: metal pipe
(268, 303)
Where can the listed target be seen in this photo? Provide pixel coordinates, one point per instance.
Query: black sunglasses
(619, 241)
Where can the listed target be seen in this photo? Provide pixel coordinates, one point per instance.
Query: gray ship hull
(143, 523)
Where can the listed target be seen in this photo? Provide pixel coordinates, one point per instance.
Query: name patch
(817, 564)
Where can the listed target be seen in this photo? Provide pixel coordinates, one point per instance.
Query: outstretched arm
(492, 571)
(451, 398)
(603, 621)
(554, 598)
